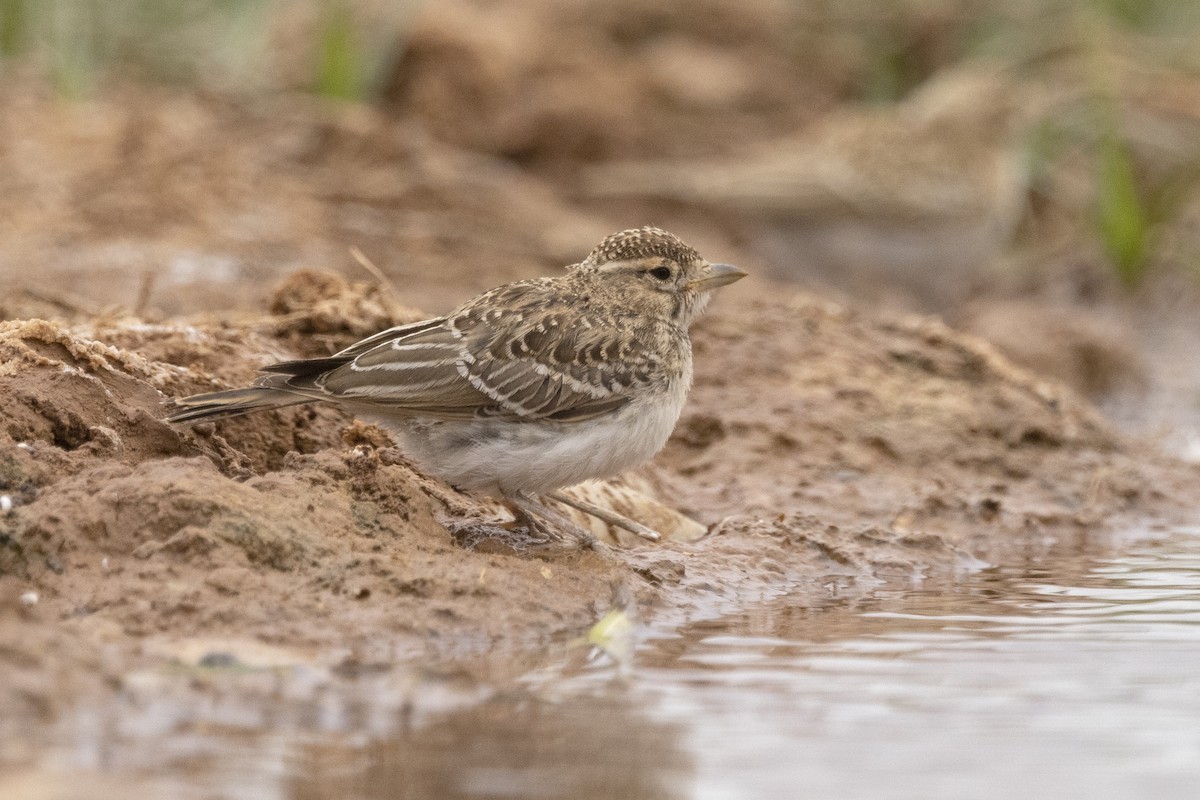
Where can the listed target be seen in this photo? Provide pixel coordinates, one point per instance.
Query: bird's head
(655, 272)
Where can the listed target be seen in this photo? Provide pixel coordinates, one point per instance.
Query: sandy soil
(151, 246)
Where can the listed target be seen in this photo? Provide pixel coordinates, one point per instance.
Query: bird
(526, 389)
(917, 197)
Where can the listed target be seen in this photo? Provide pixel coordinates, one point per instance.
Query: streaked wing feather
(552, 365)
(399, 332)
(515, 354)
(415, 370)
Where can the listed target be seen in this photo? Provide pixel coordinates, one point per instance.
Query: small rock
(146, 549)
(218, 660)
(229, 580)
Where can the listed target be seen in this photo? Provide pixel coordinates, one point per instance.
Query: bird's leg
(604, 515)
(465, 521)
(534, 515)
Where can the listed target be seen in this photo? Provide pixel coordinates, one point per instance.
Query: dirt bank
(816, 443)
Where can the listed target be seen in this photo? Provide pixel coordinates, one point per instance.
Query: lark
(920, 196)
(528, 388)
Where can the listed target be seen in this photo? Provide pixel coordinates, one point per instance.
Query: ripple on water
(1004, 684)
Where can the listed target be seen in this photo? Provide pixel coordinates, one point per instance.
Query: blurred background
(1028, 170)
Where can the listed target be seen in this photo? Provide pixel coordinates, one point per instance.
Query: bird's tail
(232, 403)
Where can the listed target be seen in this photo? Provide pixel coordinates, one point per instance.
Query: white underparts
(503, 456)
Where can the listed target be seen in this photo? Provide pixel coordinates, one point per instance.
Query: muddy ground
(161, 242)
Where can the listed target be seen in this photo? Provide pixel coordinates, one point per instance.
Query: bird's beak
(715, 275)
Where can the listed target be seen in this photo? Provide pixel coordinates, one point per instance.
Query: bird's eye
(661, 273)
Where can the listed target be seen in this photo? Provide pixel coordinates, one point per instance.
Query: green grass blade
(339, 72)
(1122, 218)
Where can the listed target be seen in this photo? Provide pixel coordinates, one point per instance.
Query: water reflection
(1076, 678)
(517, 746)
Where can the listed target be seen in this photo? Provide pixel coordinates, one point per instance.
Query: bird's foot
(537, 516)
(535, 528)
(485, 536)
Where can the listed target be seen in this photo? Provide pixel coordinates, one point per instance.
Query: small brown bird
(530, 387)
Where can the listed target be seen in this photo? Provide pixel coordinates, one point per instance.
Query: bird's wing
(413, 368)
(410, 331)
(557, 364)
(532, 357)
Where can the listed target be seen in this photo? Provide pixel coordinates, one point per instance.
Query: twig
(370, 267)
(604, 515)
(70, 306)
(145, 288)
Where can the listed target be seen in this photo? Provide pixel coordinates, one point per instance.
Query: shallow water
(1077, 678)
